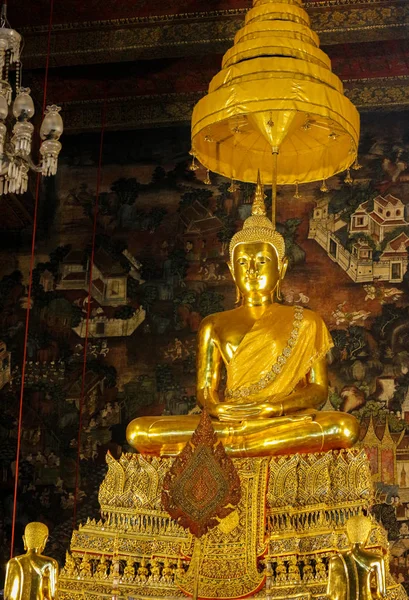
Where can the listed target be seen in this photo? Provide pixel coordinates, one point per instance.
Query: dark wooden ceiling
(150, 60)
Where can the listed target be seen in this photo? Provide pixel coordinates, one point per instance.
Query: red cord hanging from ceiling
(29, 292)
(89, 298)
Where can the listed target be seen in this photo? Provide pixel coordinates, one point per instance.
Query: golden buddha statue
(293, 570)
(275, 358)
(156, 570)
(143, 572)
(32, 575)
(281, 571)
(129, 570)
(70, 567)
(167, 572)
(357, 574)
(308, 574)
(102, 569)
(85, 567)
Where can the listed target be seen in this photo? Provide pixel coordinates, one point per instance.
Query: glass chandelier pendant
(50, 132)
(16, 146)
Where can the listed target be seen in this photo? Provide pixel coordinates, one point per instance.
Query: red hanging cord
(30, 285)
(91, 265)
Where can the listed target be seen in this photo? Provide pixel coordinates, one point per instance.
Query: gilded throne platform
(276, 544)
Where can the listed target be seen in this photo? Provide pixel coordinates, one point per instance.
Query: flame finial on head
(258, 227)
(259, 208)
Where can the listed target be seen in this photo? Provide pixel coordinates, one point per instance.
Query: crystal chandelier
(16, 140)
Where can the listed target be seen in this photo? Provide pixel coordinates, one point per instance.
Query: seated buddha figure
(275, 359)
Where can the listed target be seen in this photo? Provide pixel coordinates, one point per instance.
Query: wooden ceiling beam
(195, 34)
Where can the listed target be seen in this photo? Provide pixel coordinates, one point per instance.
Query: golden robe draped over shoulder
(258, 354)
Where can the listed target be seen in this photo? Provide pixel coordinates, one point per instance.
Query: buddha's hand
(214, 408)
(231, 412)
(258, 410)
(261, 410)
(223, 411)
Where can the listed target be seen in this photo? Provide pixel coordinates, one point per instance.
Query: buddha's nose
(252, 271)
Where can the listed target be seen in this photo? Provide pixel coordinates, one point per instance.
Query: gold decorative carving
(331, 477)
(133, 483)
(290, 521)
(228, 567)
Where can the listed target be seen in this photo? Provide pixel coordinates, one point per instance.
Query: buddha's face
(256, 269)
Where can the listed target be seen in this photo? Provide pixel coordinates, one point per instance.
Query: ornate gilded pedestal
(277, 544)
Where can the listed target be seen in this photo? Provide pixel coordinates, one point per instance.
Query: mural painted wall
(159, 267)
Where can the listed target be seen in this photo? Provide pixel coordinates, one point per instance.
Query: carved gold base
(277, 543)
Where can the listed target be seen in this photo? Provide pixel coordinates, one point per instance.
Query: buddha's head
(358, 530)
(35, 536)
(257, 254)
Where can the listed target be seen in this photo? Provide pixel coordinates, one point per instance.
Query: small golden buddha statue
(320, 570)
(129, 571)
(70, 567)
(281, 571)
(167, 572)
(102, 569)
(179, 572)
(85, 567)
(308, 575)
(143, 572)
(357, 574)
(293, 570)
(32, 575)
(275, 358)
(156, 570)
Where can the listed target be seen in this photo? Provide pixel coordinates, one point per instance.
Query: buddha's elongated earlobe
(277, 289)
(283, 269)
(276, 293)
(238, 295)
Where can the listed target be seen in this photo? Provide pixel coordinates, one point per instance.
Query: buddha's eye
(262, 260)
(242, 260)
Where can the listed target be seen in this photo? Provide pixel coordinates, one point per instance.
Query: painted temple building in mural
(109, 292)
(376, 254)
(386, 452)
(109, 278)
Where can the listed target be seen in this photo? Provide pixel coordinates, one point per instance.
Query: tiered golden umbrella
(276, 106)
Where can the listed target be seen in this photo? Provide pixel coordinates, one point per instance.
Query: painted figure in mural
(32, 575)
(353, 573)
(275, 358)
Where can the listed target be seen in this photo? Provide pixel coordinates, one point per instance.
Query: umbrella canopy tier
(276, 94)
